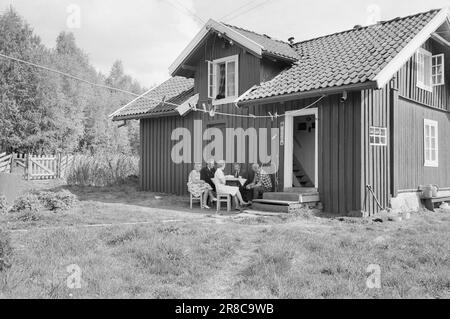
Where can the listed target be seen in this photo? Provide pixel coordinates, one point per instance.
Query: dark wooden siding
(411, 106)
(409, 151)
(158, 172)
(376, 105)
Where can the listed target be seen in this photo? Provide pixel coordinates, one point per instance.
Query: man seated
(249, 176)
(207, 173)
(261, 182)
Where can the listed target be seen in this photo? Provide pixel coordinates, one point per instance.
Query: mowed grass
(184, 254)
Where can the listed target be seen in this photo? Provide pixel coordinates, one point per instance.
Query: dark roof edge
(144, 116)
(312, 93)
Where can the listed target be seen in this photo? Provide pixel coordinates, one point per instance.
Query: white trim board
(289, 145)
(219, 27)
(408, 51)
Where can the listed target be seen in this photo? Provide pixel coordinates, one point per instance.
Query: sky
(148, 35)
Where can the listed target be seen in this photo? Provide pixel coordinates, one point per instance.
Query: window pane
(427, 143)
(231, 83)
(383, 140)
(433, 155)
(433, 131)
(220, 81)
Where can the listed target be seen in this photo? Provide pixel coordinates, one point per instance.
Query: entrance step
(286, 197)
(268, 205)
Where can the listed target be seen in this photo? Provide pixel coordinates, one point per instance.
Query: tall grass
(102, 170)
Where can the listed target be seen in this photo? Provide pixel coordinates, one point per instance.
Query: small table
(235, 180)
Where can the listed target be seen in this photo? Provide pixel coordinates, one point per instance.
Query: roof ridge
(254, 32)
(367, 26)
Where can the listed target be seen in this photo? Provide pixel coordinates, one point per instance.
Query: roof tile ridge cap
(256, 33)
(366, 27)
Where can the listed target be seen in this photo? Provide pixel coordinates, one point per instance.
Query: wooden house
(363, 115)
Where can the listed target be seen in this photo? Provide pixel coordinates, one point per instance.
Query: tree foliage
(45, 112)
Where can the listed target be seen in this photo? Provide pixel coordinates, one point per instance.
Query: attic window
(430, 69)
(423, 65)
(437, 69)
(223, 80)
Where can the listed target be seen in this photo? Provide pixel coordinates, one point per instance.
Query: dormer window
(223, 80)
(430, 69)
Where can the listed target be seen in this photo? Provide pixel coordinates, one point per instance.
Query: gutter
(144, 116)
(312, 93)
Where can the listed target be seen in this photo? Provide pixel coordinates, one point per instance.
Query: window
(430, 129)
(377, 136)
(437, 69)
(430, 69)
(423, 60)
(223, 80)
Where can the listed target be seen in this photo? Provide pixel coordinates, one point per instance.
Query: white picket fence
(5, 163)
(37, 167)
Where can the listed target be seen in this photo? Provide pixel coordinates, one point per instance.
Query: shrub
(5, 250)
(3, 205)
(28, 202)
(61, 200)
(102, 170)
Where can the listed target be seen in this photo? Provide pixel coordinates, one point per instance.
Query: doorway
(301, 160)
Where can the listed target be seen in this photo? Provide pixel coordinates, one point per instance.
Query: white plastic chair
(200, 199)
(221, 198)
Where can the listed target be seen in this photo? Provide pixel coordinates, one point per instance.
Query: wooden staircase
(284, 202)
(299, 176)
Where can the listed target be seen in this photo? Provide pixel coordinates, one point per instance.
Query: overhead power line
(74, 77)
(237, 10)
(248, 10)
(186, 10)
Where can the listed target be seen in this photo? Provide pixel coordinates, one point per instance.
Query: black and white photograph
(224, 156)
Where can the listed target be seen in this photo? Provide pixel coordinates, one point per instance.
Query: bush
(102, 170)
(5, 250)
(28, 202)
(3, 205)
(58, 201)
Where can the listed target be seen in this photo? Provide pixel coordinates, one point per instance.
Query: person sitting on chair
(261, 183)
(222, 188)
(197, 187)
(237, 172)
(207, 173)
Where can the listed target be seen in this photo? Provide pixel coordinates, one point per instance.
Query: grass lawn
(173, 252)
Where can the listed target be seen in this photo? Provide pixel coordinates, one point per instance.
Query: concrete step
(282, 196)
(309, 197)
(270, 208)
(275, 202)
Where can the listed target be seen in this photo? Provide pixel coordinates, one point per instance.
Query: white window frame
(435, 67)
(212, 87)
(421, 69)
(378, 133)
(428, 162)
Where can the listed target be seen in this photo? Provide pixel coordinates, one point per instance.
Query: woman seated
(197, 187)
(222, 188)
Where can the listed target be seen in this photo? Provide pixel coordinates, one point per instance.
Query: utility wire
(75, 77)
(186, 10)
(248, 10)
(237, 9)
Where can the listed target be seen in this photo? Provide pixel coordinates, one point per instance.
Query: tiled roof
(176, 90)
(270, 45)
(349, 57)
